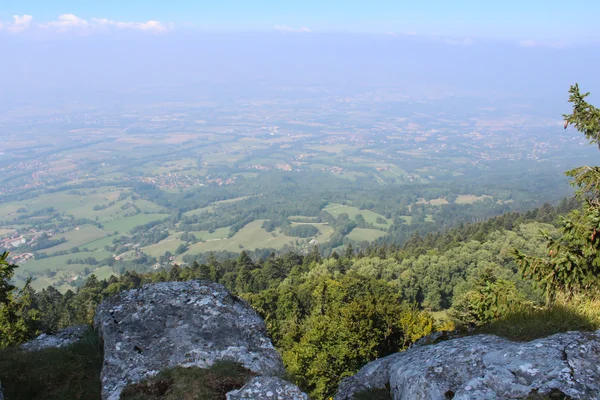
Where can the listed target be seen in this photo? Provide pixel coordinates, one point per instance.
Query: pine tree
(17, 321)
(573, 261)
(349, 253)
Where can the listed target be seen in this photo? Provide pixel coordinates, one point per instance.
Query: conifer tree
(573, 261)
(17, 318)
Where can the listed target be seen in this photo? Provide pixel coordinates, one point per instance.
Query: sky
(527, 47)
(550, 20)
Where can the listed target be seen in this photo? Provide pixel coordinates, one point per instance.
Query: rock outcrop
(192, 323)
(486, 367)
(268, 388)
(62, 338)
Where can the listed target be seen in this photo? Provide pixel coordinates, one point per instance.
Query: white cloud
(285, 28)
(66, 21)
(20, 23)
(150, 26)
(72, 23)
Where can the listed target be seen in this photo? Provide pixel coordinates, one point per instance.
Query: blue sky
(574, 20)
(527, 47)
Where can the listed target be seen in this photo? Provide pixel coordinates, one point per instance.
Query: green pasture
(250, 237)
(77, 237)
(336, 209)
(362, 234)
(124, 225)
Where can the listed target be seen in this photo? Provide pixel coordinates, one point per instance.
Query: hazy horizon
(534, 51)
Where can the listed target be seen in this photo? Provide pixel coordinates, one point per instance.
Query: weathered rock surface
(267, 387)
(62, 338)
(192, 323)
(487, 367)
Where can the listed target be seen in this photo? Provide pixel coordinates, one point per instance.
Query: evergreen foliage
(17, 318)
(572, 263)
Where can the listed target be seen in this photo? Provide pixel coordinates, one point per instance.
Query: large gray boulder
(486, 367)
(268, 388)
(62, 338)
(187, 324)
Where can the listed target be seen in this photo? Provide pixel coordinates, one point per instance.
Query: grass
(369, 216)
(578, 314)
(104, 272)
(190, 383)
(60, 262)
(148, 206)
(433, 202)
(124, 225)
(100, 243)
(159, 249)
(470, 199)
(250, 237)
(219, 233)
(325, 231)
(69, 373)
(362, 234)
(77, 238)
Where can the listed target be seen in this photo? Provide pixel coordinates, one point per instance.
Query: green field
(100, 243)
(233, 200)
(160, 248)
(361, 234)
(78, 237)
(60, 262)
(219, 233)
(146, 206)
(250, 237)
(124, 225)
(325, 231)
(104, 272)
(469, 198)
(369, 216)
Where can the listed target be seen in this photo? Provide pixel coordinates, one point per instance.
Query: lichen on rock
(65, 337)
(268, 388)
(487, 367)
(164, 325)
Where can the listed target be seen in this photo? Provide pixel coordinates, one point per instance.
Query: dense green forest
(522, 275)
(329, 316)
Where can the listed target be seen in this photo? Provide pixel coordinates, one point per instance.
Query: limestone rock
(487, 367)
(62, 338)
(187, 324)
(268, 388)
